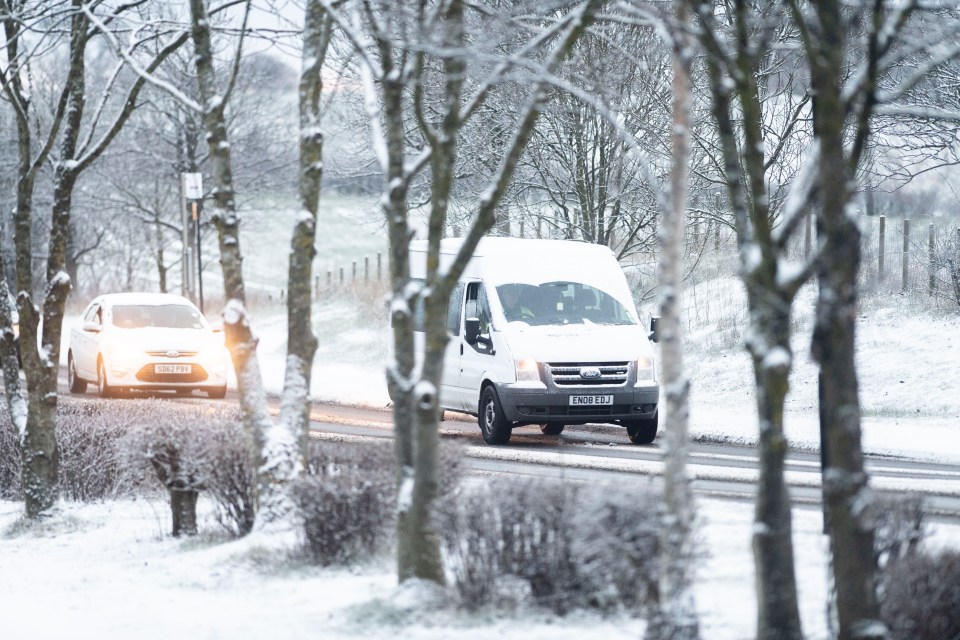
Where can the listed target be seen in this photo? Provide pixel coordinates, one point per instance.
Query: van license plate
(171, 368)
(587, 401)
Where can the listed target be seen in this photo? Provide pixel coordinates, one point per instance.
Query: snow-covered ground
(112, 570)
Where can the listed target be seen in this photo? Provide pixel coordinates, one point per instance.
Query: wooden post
(882, 248)
(353, 275)
(366, 268)
(341, 275)
(329, 278)
(378, 266)
(906, 254)
(931, 279)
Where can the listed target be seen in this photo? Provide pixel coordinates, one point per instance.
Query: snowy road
(597, 452)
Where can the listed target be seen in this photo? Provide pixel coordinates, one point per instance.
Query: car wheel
(216, 393)
(106, 391)
(77, 384)
(552, 428)
(493, 423)
(642, 431)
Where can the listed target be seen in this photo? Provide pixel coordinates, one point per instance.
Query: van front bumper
(524, 404)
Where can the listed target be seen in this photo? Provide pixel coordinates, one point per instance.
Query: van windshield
(560, 303)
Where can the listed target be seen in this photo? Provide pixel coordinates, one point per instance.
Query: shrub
(920, 596)
(87, 436)
(568, 546)
(9, 457)
(900, 526)
(346, 500)
(189, 452)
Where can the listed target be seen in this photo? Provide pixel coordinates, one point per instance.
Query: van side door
(450, 391)
(477, 358)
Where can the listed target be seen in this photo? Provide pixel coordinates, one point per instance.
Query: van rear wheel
(642, 431)
(494, 425)
(552, 428)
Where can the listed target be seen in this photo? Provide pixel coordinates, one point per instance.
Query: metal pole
(196, 222)
(905, 263)
(882, 247)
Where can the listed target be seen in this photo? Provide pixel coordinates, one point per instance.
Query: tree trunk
(676, 615)
(183, 510)
(845, 492)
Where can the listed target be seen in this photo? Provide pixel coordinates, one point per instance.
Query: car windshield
(172, 316)
(560, 303)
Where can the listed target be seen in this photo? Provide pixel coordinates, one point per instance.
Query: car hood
(164, 339)
(578, 342)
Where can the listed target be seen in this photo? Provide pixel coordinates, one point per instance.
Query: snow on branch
(140, 71)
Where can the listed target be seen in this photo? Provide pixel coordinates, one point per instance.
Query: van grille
(567, 374)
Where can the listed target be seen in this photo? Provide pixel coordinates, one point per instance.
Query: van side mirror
(471, 330)
(654, 335)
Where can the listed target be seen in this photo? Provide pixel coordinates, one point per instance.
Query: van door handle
(461, 348)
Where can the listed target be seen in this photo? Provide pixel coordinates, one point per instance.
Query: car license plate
(587, 401)
(171, 368)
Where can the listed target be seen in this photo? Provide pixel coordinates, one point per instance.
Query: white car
(146, 341)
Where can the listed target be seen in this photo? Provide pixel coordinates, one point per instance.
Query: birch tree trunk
(676, 617)
(301, 342)
(274, 467)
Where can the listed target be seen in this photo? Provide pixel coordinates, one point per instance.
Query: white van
(544, 332)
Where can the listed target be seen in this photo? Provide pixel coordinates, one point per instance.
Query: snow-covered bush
(920, 596)
(559, 545)
(189, 451)
(88, 433)
(900, 526)
(347, 500)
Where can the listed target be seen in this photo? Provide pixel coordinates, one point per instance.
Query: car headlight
(527, 369)
(645, 368)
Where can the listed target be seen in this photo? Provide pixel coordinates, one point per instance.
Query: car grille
(567, 374)
(163, 354)
(147, 374)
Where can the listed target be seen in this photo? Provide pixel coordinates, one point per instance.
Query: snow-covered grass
(110, 570)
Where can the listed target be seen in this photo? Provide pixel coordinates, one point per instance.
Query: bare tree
(76, 151)
(414, 59)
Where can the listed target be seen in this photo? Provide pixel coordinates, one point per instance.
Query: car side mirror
(471, 332)
(91, 327)
(654, 335)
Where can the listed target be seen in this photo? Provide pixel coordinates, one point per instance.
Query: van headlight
(527, 369)
(645, 368)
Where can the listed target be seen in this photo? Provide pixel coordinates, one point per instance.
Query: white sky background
(112, 570)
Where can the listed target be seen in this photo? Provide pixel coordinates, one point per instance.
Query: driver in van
(513, 309)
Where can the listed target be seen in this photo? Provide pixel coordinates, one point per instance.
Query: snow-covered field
(112, 571)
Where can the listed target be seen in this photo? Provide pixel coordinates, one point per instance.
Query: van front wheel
(493, 423)
(642, 431)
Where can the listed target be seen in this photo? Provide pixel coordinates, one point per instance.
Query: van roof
(490, 246)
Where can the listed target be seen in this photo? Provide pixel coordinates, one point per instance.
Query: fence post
(932, 282)
(329, 278)
(366, 268)
(378, 264)
(906, 254)
(341, 276)
(353, 275)
(882, 248)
